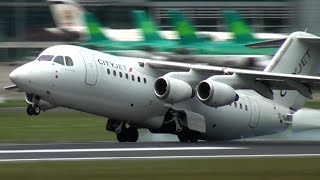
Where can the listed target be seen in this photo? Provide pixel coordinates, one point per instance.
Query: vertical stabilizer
(238, 27)
(299, 54)
(147, 26)
(94, 29)
(184, 28)
(67, 15)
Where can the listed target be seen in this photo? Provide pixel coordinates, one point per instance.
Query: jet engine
(216, 94)
(172, 90)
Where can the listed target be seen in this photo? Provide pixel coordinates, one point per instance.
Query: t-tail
(95, 33)
(184, 28)
(67, 15)
(240, 29)
(147, 26)
(300, 55)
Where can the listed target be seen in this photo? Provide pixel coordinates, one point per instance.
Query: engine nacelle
(216, 94)
(172, 90)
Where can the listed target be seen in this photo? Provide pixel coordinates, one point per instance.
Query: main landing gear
(188, 135)
(124, 134)
(178, 120)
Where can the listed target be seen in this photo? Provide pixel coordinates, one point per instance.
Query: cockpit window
(69, 61)
(45, 58)
(59, 60)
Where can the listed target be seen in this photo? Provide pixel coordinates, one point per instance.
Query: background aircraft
(151, 42)
(191, 43)
(191, 101)
(68, 16)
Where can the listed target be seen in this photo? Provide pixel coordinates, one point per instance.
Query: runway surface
(154, 150)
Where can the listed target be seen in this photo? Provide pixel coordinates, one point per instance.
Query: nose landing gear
(33, 107)
(33, 110)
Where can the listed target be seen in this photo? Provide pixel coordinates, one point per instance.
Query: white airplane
(192, 101)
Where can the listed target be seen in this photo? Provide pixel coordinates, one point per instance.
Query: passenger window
(114, 73)
(59, 60)
(120, 74)
(246, 107)
(127, 76)
(138, 79)
(69, 61)
(240, 106)
(144, 80)
(132, 77)
(108, 71)
(235, 104)
(45, 58)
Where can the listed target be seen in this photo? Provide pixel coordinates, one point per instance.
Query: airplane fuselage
(120, 88)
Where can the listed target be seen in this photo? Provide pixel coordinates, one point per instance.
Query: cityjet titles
(114, 65)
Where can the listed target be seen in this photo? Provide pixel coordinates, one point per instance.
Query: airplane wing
(12, 88)
(249, 79)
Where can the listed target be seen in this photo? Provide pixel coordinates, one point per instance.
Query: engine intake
(216, 94)
(172, 90)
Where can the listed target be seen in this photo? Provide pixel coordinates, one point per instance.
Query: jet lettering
(302, 63)
(298, 69)
(111, 64)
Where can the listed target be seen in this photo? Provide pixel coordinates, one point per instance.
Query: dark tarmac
(155, 150)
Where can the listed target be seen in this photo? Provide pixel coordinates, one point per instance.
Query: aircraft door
(91, 68)
(255, 113)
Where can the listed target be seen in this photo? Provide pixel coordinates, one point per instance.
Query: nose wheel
(33, 110)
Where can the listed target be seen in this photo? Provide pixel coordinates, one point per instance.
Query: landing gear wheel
(193, 136)
(133, 134)
(29, 110)
(35, 110)
(123, 135)
(182, 136)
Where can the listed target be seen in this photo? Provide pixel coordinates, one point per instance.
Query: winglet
(147, 26)
(237, 25)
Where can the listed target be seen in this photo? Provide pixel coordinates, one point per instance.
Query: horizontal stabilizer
(267, 44)
(12, 88)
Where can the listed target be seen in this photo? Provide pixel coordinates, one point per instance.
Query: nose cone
(19, 75)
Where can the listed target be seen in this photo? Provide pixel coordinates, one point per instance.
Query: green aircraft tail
(147, 26)
(94, 28)
(241, 31)
(184, 28)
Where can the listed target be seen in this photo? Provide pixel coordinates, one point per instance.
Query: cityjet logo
(298, 69)
(114, 65)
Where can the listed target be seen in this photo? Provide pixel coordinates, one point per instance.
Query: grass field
(58, 126)
(53, 127)
(184, 169)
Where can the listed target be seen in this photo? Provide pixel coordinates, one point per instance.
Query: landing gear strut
(124, 134)
(183, 132)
